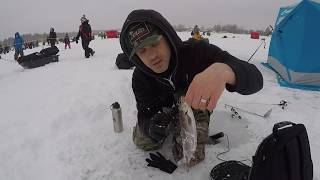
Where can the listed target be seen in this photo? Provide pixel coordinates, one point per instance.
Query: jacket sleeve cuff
(236, 87)
(231, 88)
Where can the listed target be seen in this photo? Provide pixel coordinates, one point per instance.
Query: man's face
(156, 56)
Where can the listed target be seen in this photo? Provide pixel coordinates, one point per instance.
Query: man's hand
(207, 86)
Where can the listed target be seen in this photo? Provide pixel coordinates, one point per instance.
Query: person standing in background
(67, 41)
(18, 42)
(52, 37)
(85, 34)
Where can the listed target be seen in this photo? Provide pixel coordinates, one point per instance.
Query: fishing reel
(283, 104)
(235, 114)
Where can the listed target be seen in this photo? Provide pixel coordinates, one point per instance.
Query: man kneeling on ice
(166, 66)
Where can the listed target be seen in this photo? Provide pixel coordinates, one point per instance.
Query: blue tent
(294, 51)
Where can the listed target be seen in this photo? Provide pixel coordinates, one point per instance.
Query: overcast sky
(37, 16)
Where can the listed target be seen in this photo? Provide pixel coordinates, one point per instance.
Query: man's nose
(151, 52)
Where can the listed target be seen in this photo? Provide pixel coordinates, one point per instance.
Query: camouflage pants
(202, 123)
(143, 142)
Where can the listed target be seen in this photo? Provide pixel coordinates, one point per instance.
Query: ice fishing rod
(263, 41)
(271, 28)
(236, 114)
(282, 103)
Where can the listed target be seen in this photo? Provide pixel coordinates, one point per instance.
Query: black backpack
(27, 59)
(36, 60)
(123, 61)
(283, 155)
(50, 51)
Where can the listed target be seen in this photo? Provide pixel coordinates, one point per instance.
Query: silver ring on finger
(203, 101)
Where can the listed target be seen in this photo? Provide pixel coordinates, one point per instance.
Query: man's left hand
(207, 86)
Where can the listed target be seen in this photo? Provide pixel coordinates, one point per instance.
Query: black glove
(160, 162)
(77, 40)
(159, 124)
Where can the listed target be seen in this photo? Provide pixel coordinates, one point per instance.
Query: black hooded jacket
(155, 91)
(84, 31)
(52, 36)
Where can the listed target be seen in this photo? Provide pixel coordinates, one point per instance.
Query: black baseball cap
(142, 34)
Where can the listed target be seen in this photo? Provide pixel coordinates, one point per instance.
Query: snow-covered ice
(56, 124)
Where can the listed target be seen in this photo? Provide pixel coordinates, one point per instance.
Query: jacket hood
(155, 18)
(85, 22)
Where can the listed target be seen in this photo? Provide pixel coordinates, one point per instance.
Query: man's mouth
(157, 62)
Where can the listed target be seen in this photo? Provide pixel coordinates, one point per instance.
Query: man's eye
(141, 51)
(155, 44)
